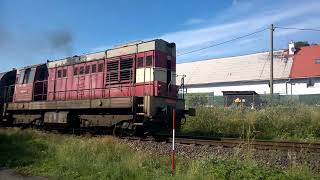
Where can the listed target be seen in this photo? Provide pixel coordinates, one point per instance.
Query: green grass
(294, 122)
(72, 157)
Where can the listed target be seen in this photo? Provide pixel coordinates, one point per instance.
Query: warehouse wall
(299, 87)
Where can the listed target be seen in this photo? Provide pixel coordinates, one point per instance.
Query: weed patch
(296, 122)
(58, 156)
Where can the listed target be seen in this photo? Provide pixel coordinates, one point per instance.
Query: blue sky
(33, 31)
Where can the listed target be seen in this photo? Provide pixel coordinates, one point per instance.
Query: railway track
(234, 142)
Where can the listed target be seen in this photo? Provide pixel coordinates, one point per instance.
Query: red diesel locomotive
(129, 87)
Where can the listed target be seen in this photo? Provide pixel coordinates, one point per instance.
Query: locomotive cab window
(100, 67)
(42, 74)
(148, 61)
(94, 68)
(140, 62)
(81, 70)
(31, 75)
(64, 73)
(75, 71)
(21, 76)
(87, 69)
(26, 76)
(59, 73)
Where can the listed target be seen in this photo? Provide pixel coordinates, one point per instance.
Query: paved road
(9, 174)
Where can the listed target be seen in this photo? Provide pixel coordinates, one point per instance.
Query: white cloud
(194, 21)
(237, 2)
(262, 14)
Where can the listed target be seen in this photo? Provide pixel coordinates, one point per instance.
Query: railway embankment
(58, 156)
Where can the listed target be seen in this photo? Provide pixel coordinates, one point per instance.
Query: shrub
(275, 122)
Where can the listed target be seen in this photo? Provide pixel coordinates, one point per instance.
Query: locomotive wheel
(124, 129)
(117, 131)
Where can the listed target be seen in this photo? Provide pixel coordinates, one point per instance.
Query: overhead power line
(224, 42)
(301, 29)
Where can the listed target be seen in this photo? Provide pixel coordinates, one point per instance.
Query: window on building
(64, 73)
(148, 61)
(75, 71)
(140, 62)
(317, 61)
(87, 69)
(94, 68)
(59, 73)
(81, 70)
(100, 67)
(310, 82)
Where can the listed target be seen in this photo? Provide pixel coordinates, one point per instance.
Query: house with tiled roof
(296, 72)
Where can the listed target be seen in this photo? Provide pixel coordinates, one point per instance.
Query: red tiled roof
(304, 62)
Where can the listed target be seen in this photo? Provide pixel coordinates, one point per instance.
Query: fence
(209, 100)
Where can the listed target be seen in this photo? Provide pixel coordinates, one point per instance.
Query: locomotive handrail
(182, 85)
(92, 92)
(7, 97)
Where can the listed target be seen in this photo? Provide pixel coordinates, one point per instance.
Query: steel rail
(237, 143)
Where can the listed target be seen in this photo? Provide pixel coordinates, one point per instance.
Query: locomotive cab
(7, 81)
(31, 84)
(158, 69)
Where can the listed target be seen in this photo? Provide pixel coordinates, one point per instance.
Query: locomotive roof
(119, 50)
(4, 73)
(30, 66)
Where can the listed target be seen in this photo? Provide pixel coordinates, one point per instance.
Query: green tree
(196, 100)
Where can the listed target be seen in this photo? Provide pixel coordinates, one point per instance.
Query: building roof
(306, 62)
(253, 67)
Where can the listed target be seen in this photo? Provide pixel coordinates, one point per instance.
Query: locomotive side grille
(126, 69)
(112, 71)
(119, 71)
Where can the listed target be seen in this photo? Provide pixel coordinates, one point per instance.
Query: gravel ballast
(273, 158)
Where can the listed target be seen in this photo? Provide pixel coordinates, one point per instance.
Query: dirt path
(9, 174)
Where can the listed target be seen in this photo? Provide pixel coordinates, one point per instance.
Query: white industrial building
(296, 72)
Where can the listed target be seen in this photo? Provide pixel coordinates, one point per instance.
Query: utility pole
(271, 60)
